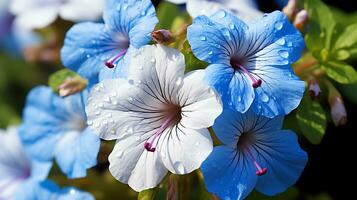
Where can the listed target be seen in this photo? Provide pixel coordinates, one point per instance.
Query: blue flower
(55, 127)
(250, 65)
(255, 153)
(89, 47)
(22, 178)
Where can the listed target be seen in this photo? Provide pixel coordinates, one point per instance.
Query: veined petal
(40, 169)
(228, 174)
(280, 93)
(215, 44)
(280, 152)
(200, 104)
(182, 150)
(136, 19)
(31, 189)
(71, 193)
(86, 53)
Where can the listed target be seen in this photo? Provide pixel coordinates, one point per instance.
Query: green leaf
(321, 25)
(59, 77)
(340, 72)
(166, 12)
(311, 119)
(192, 63)
(147, 194)
(348, 38)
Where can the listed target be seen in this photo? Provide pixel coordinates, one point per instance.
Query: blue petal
(280, 93)
(227, 174)
(136, 19)
(280, 152)
(88, 45)
(76, 152)
(40, 170)
(274, 41)
(34, 190)
(216, 43)
(73, 193)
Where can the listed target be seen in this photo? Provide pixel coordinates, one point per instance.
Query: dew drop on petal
(90, 123)
(130, 99)
(290, 44)
(179, 167)
(232, 26)
(210, 53)
(278, 25)
(221, 14)
(284, 54)
(97, 113)
(264, 97)
(72, 191)
(281, 41)
(153, 60)
(179, 81)
(131, 81)
(140, 67)
(88, 56)
(203, 38)
(143, 13)
(112, 132)
(119, 154)
(197, 144)
(131, 130)
(239, 99)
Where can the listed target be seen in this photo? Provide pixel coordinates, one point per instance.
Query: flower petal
(78, 10)
(71, 193)
(137, 20)
(280, 152)
(182, 150)
(86, 53)
(76, 152)
(131, 163)
(37, 18)
(228, 174)
(201, 105)
(31, 189)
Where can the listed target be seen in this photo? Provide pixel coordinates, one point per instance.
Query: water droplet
(274, 98)
(112, 132)
(179, 167)
(131, 81)
(153, 60)
(101, 105)
(107, 99)
(97, 113)
(90, 123)
(265, 15)
(72, 191)
(290, 44)
(130, 99)
(110, 115)
(125, 7)
(203, 38)
(131, 130)
(281, 41)
(278, 25)
(143, 13)
(94, 42)
(264, 97)
(179, 81)
(88, 56)
(232, 26)
(119, 154)
(239, 99)
(284, 54)
(115, 102)
(141, 67)
(197, 144)
(137, 138)
(139, 81)
(210, 53)
(221, 14)
(259, 107)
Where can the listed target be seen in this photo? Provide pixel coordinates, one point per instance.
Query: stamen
(256, 82)
(260, 171)
(151, 143)
(110, 63)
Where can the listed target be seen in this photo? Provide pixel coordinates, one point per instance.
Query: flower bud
(338, 111)
(301, 19)
(162, 36)
(314, 88)
(71, 86)
(290, 9)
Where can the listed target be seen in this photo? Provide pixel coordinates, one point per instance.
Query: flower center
(172, 117)
(110, 63)
(236, 64)
(244, 144)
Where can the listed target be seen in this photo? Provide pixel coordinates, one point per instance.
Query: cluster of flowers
(140, 96)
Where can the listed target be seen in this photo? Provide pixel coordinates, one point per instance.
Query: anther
(255, 82)
(110, 63)
(260, 170)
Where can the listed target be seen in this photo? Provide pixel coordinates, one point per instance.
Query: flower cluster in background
(193, 99)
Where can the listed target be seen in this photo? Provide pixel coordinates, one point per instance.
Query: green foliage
(192, 63)
(56, 79)
(311, 119)
(330, 43)
(147, 194)
(166, 12)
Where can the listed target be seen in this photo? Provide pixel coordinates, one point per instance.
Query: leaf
(147, 194)
(340, 72)
(166, 12)
(348, 38)
(192, 63)
(311, 119)
(321, 25)
(59, 77)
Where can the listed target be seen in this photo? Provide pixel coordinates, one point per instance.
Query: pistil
(260, 170)
(255, 82)
(110, 63)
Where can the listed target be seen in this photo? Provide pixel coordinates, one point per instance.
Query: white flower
(159, 116)
(32, 14)
(244, 9)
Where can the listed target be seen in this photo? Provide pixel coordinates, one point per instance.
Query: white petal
(178, 1)
(131, 163)
(202, 104)
(79, 10)
(182, 150)
(159, 68)
(37, 18)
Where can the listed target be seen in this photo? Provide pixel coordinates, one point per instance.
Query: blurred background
(28, 58)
